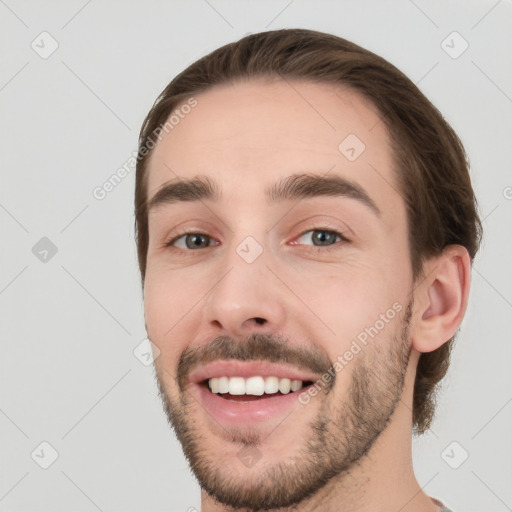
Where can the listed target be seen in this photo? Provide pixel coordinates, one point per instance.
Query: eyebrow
(293, 187)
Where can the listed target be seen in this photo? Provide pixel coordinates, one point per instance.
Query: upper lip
(246, 369)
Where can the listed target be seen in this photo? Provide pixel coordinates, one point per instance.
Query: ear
(441, 298)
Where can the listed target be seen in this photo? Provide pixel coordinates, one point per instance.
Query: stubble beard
(339, 437)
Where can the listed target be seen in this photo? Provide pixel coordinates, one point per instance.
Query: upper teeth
(253, 385)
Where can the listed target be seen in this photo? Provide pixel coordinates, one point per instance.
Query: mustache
(256, 347)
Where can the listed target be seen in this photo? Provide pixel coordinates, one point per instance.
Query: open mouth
(244, 394)
(240, 389)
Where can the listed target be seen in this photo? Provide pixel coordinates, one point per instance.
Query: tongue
(247, 398)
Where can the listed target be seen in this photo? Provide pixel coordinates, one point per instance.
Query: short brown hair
(432, 166)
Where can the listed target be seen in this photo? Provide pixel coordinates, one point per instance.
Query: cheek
(347, 303)
(168, 308)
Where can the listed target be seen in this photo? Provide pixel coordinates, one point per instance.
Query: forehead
(248, 134)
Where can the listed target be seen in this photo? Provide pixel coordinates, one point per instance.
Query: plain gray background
(72, 320)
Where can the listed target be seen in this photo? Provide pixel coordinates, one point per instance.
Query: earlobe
(442, 298)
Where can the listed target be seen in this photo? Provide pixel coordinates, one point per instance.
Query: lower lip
(231, 413)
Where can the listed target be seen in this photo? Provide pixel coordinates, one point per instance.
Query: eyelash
(314, 248)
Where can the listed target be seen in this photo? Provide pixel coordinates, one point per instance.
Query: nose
(246, 300)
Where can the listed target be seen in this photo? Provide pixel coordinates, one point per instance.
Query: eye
(320, 237)
(190, 241)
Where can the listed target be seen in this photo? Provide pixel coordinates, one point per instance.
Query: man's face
(277, 286)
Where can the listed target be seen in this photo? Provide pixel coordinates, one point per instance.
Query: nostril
(259, 320)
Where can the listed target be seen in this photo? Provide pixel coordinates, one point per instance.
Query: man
(305, 228)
